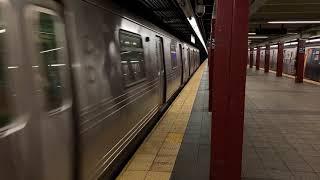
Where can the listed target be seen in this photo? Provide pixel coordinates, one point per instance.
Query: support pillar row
(300, 60)
(258, 59)
(267, 59)
(251, 57)
(280, 59)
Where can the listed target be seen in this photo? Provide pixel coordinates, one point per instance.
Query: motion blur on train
(80, 81)
(312, 58)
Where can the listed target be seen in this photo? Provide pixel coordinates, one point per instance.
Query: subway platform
(179, 145)
(281, 133)
(282, 129)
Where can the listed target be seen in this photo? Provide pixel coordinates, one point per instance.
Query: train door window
(132, 58)
(48, 34)
(173, 52)
(49, 50)
(4, 101)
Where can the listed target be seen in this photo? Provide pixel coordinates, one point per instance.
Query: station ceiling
(168, 15)
(264, 11)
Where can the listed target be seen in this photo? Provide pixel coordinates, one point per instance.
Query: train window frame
(4, 80)
(18, 117)
(32, 14)
(140, 50)
(173, 50)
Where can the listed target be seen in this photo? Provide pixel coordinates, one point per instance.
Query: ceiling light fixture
(294, 22)
(291, 40)
(292, 43)
(313, 40)
(312, 37)
(196, 29)
(252, 33)
(258, 37)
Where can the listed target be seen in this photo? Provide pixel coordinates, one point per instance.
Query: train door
(47, 51)
(162, 70)
(182, 63)
(13, 113)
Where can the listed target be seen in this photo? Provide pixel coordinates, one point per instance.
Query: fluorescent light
(292, 43)
(13, 67)
(2, 31)
(56, 65)
(55, 49)
(294, 22)
(273, 46)
(292, 33)
(258, 37)
(194, 25)
(263, 47)
(314, 36)
(313, 40)
(252, 33)
(292, 40)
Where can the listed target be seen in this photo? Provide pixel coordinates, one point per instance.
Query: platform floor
(282, 129)
(155, 159)
(281, 133)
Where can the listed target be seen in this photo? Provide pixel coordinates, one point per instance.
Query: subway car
(312, 61)
(81, 82)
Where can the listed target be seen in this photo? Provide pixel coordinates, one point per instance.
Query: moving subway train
(80, 80)
(312, 61)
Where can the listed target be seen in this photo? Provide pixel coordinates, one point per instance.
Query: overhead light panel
(292, 33)
(313, 40)
(292, 43)
(317, 36)
(294, 22)
(291, 40)
(252, 33)
(192, 21)
(258, 37)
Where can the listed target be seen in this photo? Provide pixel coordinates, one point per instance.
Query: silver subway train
(311, 63)
(80, 81)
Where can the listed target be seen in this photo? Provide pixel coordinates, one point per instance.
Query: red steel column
(211, 58)
(258, 59)
(251, 57)
(280, 59)
(209, 64)
(300, 60)
(229, 77)
(267, 59)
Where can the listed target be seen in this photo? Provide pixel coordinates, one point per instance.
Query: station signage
(193, 39)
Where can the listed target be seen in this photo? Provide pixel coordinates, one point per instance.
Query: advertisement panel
(289, 59)
(312, 67)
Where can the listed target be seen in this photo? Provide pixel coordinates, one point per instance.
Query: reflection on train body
(78, 89)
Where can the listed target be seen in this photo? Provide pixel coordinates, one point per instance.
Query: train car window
(132, 58)
(50, 54)
(173, 52)
(4, 104)
(5, 112)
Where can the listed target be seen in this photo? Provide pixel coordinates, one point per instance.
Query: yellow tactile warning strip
(156, 156)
